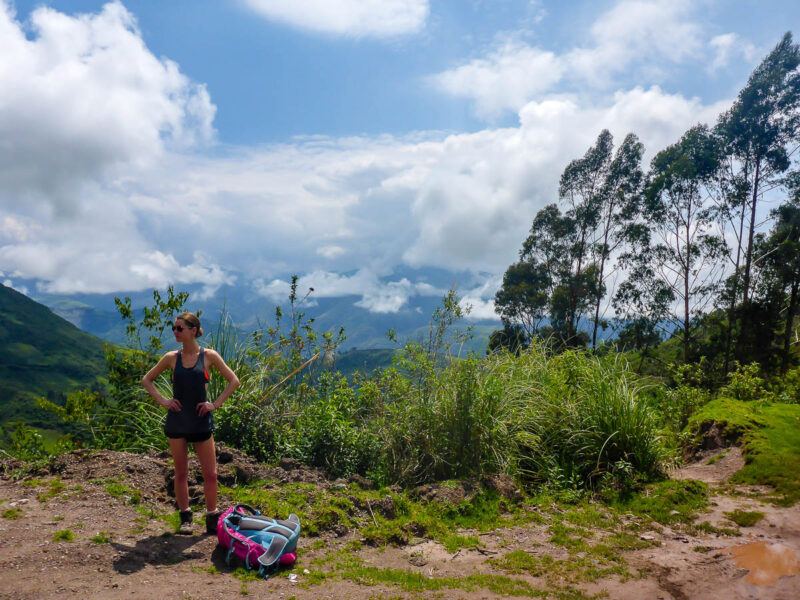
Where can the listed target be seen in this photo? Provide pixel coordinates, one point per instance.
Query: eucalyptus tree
(582, 189)
(684, 247)
(781, 264)
(758, 134)
(618, 208)
(544, 282)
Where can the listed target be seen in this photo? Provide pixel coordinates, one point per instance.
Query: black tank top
(189, 387)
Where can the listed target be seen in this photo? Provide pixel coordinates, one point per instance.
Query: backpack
(256, 539)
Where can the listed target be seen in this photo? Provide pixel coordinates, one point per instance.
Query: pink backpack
(256, 539)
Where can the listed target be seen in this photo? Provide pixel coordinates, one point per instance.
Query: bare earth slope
(123, 547)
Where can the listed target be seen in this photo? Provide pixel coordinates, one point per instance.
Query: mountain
(42, 355)
(95, 314)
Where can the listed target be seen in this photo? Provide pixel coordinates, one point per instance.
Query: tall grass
(571, 420)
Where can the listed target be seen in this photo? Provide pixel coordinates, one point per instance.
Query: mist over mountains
(364, 328)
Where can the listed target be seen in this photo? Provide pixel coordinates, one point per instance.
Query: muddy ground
(145, 559)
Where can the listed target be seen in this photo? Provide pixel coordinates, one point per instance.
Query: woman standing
(189, 416)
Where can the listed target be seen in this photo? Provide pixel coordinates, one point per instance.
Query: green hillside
(42, 355)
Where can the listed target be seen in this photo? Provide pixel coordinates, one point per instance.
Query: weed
(64, 535)
(745, 518)
(669, 501)
(12, 513)
(709, 529)
(118, 490)
(54, 488)
(103, 537)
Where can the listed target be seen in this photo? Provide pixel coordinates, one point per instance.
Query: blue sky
(360, 143)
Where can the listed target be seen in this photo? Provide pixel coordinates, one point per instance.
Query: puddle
(766, 562)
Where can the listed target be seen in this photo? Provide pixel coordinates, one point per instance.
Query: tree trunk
(787, 331)
(749, 255)
(734, 292)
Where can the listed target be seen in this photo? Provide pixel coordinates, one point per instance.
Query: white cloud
(377, 296)
(85, 95)
(511, 75)
(727, 47)
(632, 38)
(373, 18)
(322, 206)
(634, 31)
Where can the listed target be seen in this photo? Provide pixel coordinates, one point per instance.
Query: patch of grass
(452, 543)
(410, 581)
(32, 482)
(211, 569)
(668, 502)
(244, 575)
(120, 491)
(103, 537)
(571, 538)
(64, 535)
(54, 488)
(58, 518)
(744, 518)
(577, 569)
(12, 513)
(709, 529)
(768, 433)
(350, 509)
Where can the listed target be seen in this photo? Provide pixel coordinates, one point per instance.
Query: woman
(189, 416)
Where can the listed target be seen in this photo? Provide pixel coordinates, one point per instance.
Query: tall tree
(757, 133)
(544, 282)
(618, 208)
(684, 247)
(582, 189)
(781, 252)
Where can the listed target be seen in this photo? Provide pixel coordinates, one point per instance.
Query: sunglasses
(181, 327)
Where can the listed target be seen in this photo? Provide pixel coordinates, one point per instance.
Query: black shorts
(191, 437)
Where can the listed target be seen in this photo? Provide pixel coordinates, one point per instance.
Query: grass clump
(120, 491)
(12, 514)
(102, 537)
(54, 488)
(745, 518)
(64, 535)
(668, 502)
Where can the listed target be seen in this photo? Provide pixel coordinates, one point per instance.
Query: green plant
(103, 537)
(64, 535)
(12, 513)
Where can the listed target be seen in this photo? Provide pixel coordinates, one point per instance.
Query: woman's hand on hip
(172, 404)
(204, 408)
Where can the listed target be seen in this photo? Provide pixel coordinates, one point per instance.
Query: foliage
(767, 433)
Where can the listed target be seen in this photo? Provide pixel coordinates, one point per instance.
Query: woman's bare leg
(180, 456)
(206, 454)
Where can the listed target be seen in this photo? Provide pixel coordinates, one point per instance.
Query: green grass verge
(383, 517)
(770, 437)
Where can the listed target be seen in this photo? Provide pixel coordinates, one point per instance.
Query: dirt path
(143, 559)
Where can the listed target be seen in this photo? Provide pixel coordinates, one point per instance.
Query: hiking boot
(211, 521)
(186, 522)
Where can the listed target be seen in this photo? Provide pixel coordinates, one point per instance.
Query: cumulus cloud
(377, 296)
(632, 37)
(356, 18)
(84, 95)
(322, 206)
(506, 79)
(85, 107)
(727, 47)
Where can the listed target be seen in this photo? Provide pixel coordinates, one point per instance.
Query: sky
(362, 144)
